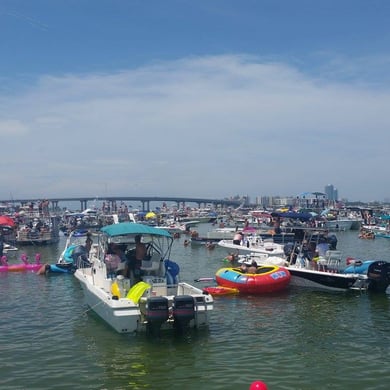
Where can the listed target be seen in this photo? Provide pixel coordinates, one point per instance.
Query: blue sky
(206, 98)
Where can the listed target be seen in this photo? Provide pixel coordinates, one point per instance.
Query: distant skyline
(205, 99)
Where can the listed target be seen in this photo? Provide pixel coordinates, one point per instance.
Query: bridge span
(144, 200)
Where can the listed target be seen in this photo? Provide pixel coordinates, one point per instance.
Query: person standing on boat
(88, 242)
(135, 258)
(140, 248)
(237, 238)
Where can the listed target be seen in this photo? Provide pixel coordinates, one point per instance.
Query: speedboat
(9, 248)
(150, 300)
(330, 273)
(254, 244)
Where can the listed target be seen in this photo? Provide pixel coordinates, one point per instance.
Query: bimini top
(124, 228)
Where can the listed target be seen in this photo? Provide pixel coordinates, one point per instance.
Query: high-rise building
(331, 192)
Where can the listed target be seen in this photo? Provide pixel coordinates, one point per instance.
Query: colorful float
(220, 290)
(23, 266)
(266, 279)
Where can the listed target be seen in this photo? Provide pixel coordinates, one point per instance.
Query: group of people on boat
(251, 269)
(366, 234)
(121, 262)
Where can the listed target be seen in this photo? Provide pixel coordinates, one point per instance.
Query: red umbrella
(6, 221)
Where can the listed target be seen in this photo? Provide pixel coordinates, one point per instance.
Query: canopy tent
(6, 221)
(125, 228)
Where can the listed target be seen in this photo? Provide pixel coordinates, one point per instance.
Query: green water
(296, 339)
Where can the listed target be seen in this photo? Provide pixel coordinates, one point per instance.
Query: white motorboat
(329, 272)
(254, 244)
(262, 259)
(155, 299)
(339, 224)
(9, 248)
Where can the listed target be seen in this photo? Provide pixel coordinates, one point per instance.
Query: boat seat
(152, 264)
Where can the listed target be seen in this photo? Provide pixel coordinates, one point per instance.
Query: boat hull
(126, 316)
(339, 225)
(368, 275)
(322, 280)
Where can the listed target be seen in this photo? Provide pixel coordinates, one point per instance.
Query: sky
(206, 98)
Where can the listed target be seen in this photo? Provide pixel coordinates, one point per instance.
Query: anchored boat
(147, 296)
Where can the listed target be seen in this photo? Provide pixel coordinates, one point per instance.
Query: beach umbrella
(150, 215)
(6, 221)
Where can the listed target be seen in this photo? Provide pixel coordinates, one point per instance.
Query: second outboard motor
(157, 312)
(183, 311)
(378, 274)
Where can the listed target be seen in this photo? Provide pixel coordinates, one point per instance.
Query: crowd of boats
(123, 260)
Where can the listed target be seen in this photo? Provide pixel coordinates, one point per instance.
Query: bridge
(144, 200)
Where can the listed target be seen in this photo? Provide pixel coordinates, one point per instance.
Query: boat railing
(31, 235)
(331, 261)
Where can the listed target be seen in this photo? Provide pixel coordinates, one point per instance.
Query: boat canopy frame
(159, 240)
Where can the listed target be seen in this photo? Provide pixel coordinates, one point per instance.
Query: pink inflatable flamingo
(24, 258)
(4, 264)
(36, 266)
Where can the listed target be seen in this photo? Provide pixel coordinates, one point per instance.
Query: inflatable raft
(21, 267)
(267, 279)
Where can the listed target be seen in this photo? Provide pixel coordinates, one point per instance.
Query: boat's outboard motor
(183, 311)
(378, 274)
(80, 256)
(156, 313)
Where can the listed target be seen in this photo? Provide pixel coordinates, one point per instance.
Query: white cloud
(207, 127)
(12, 127)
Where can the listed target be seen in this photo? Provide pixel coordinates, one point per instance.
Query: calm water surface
(296, 339)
